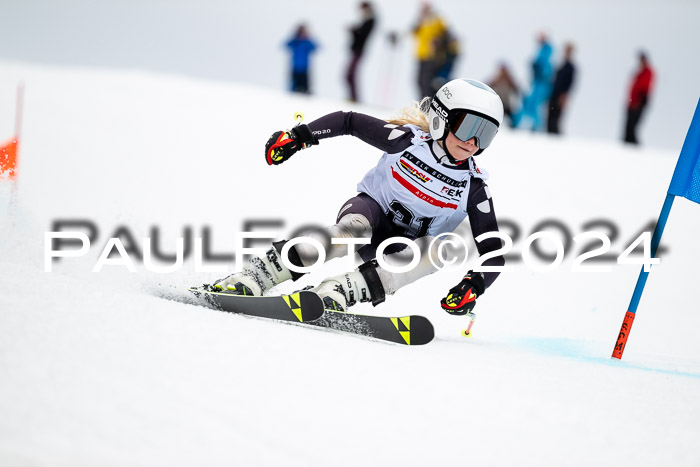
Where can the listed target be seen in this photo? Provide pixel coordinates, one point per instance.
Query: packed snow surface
(96, 368)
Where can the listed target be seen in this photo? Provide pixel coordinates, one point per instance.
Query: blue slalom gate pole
(655, 240)
(685, 183)
(642, 280)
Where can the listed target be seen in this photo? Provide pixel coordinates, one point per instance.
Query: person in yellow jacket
(428, 30)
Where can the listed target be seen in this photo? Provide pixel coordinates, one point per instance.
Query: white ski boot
(361, 285)
(259, 275)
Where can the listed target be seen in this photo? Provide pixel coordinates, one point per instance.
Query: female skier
(425, 184)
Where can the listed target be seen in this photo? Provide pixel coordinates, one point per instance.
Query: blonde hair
(415, 114)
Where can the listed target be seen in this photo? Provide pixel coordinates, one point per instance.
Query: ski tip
(421, 330)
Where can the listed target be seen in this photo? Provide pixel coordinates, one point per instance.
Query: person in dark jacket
(301, 47)
(360, 34)
(563, 81)
(638, 98)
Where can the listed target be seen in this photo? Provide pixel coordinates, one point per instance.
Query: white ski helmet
(469, 109)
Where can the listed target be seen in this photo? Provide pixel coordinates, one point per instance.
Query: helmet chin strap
(450, 157)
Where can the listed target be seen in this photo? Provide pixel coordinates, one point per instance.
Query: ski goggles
(466, 125)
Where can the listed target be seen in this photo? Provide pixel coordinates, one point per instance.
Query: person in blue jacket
(533, 103)
(301, 47)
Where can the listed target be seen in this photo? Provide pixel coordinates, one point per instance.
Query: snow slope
(95, 369)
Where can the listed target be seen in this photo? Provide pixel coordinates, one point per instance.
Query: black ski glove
(461, 298)
(283, 144)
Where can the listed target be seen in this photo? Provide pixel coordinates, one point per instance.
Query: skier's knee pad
(374, 283)
(353, 225)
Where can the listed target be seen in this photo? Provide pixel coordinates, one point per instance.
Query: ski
(407, 330)
(299, 307)
(306, 307)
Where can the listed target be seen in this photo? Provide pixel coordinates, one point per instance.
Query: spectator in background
(446, 53)
(638, 97)
(301, 47)
(563, 81)
(505, 86)
(360, 33)
(428, 29)
(541, 86)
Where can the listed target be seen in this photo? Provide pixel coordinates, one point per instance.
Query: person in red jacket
(638, 98)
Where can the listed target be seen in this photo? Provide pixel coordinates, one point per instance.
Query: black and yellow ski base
(306, 307)
(299, 307)
(406, 330)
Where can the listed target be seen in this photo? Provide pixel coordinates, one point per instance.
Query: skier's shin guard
(394, 281)
(350, 226)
